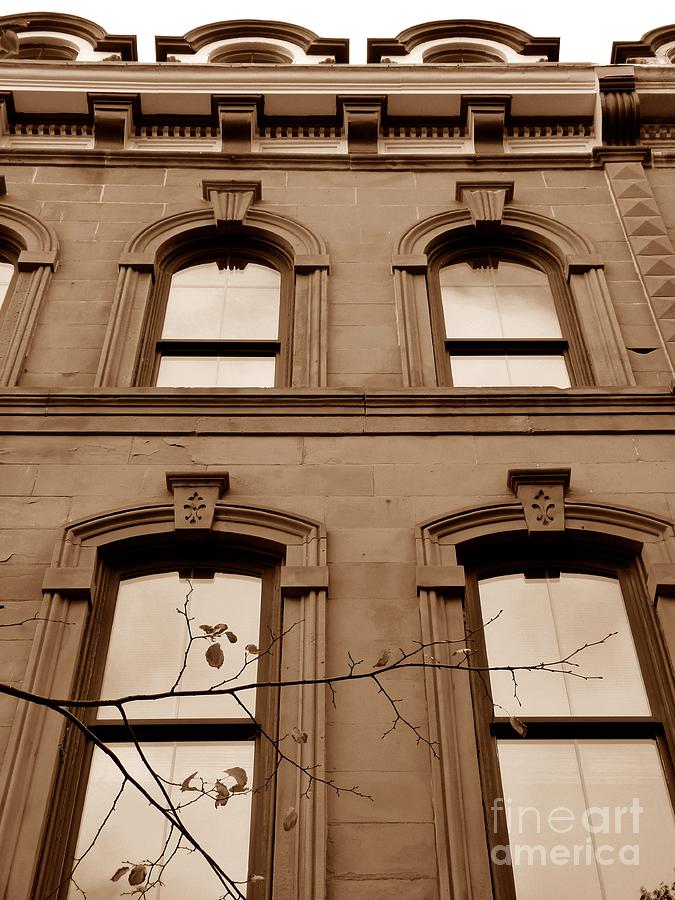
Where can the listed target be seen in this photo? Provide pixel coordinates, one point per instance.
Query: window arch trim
(457, 790)
(32, 246)
(569, 253)
(137, 296)
(58, 663)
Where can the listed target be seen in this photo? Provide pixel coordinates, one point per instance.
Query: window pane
(206, 302)
(500, 370)
(136, 832)
(6, 273)
(149, 638)
(510, 301)
(546, 619)
(216, 371)
(586, 819)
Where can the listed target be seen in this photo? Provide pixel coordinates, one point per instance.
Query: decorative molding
(362, 122)
(33, 755)
(517, 40)
(113, 117)
(238, 120)
(549, 239)
(661, 581)
(620, 109)
(485, 122)
(75, 583)
(485, 200)
(231, 201)
(542, 493)
(449, 580)
(195, 495)
(64, 23)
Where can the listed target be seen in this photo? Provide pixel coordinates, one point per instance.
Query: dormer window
(46, 49)
(461, 54)
(257, 54)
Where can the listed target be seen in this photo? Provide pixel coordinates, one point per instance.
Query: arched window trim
(571, 262)
(83, 572)
(32, 247)
(639, 543)
(139, 296)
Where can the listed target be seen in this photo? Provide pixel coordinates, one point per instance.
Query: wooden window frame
(198, 560)
(507, 557)
(571, 345)
(153, 346)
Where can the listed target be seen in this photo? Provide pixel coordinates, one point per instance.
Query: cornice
(64, 23)
(339, 411)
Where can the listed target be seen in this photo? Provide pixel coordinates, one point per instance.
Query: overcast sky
(586, 28)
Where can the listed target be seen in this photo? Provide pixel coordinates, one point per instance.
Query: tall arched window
(221, 326)
(6, 274)
(500, 324)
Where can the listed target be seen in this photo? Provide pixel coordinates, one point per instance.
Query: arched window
(167, 628)
(203, 306)
(519, 301)
(462, 54)
(134, 584)
(223, 326)
(588, 787)
(571, 773)
(500, 324)
(251, 53)
(47, 48)
(6, 274)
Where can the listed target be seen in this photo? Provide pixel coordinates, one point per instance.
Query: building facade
(367, 369)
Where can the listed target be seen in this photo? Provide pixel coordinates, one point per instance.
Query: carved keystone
(195, 495)
(542, 493)
(485, 200)
(231, 201)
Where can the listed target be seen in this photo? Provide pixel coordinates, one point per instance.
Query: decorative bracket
(485, 200)
(620, 107)
(485, 118)
(449, 580)
(76, 583)
(195, 495)
(362, 119)
(542, 493)
(113, 119)
(231, 201)
(661, 581)
(238, 117)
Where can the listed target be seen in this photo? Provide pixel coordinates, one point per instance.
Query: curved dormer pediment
(59, 36)
(468, 41)
(254, 42)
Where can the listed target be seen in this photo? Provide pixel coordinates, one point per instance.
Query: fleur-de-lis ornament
(194, 506)
(544, 507)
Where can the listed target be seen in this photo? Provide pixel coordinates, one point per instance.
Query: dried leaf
(253, 650)
(223, 794)
(118, 874)
(298, 736)
(9, 43)
(239, 775)
(290, 819)
(518, 726)
(186, 786)
(385, 656)
(231, 636)
(464, 650)
(207, 628)
(255, 878)
(215, 656)
(137, 875)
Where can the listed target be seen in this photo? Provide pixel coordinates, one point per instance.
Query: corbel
(73, 582)
(299, 580)
(30, 260)
(485, 200)
(542, 493)
(449, 580)
(661, 581)
(231, 201)
(485, 119)
(619, 107)
(195, 495)
(238, 117)
(362, 117)
(414, 263)
(581, 263)
(113, 116)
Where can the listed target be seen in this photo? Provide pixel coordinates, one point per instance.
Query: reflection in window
(221, 327)
(147, 646)
(6, 274)
(501, 325)
(586, 815)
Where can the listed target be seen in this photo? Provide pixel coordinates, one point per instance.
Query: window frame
(150, 560)
(191, 253)
(507, 557)
(571, 343)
